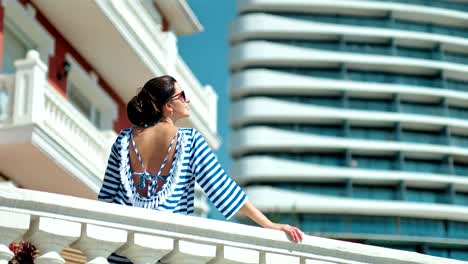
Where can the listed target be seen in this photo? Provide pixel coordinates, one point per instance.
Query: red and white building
(68, 69)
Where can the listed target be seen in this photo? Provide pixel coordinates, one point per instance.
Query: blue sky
(206, 53)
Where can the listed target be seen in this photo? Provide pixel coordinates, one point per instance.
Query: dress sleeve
(111, 181)
(222, 191)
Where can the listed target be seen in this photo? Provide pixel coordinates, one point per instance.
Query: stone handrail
(53, 222)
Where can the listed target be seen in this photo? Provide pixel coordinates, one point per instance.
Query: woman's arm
(258, 217)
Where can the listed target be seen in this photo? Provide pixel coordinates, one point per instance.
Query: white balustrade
(99, 228)
(12, 227)
(234, 255)
(186, 252)
(27, 98)
(51, 236)
(73, 129)
(30, 81)
(142, 248)
(97, 242)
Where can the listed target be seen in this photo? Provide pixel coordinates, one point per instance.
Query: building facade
(68, 69)
(349, 118)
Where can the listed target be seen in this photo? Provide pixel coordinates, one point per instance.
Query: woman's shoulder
(188, 131)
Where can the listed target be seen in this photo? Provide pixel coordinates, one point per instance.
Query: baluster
(185, 252)
(273, 258)
(31, 78)
(12, 227)
(142, 248)
(98, 242)
(234, 255)
(51, 236)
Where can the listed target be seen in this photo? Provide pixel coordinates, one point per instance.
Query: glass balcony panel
(422, 227)
(461, 254)
(458, 229)
(421, 108)
(425, 195)
(378, 21)
(323, 223)
(461, 198)
(458, 112)
(456, 85)
(374, 163)
(425, 137)
(439, 252)
(430, 166)
(461, 168)
(372, 224)
(374, 192)
(372, 133)
(459, 141)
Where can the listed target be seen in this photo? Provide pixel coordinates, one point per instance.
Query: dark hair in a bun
(145, 109)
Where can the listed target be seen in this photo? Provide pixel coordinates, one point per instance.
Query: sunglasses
(181, 96)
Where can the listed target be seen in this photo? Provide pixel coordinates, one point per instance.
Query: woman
(155, 164)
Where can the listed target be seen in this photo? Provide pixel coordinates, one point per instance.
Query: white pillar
(235, 255)
(51, 236)
(171, 52)
(212, 98)
(12, 227)
(98, 242)
(146, 249)
(30, 82)
(185, 252)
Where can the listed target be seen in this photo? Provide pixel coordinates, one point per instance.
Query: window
(84, 105)
(23, 32)
(15, 46)
(89, 98)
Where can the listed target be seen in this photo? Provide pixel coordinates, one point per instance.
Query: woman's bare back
(152, 145)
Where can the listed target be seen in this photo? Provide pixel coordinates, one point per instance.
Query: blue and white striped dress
(193, 161)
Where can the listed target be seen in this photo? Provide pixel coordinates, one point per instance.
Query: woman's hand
(293, 232)
(258, 217)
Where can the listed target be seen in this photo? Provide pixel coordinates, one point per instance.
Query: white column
(146, 249)
(185, 252)
(51, 236)
(30, 81)
(171, 52)
(12, 227)
(273, 258)
(212, 98)
(235, 255)
(98, 242)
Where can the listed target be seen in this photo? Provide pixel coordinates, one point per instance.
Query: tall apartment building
(68, 69)
(349, 118)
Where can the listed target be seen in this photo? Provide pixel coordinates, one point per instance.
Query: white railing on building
(27, 98)
(203, 98)
(53, 222)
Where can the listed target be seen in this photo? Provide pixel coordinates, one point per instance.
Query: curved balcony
(261, 110)
(273, 26)
(42, 136)
(265, 81)
(262, 138)
(55, 222)
(246, 54)
(253, 169)
(409, 11)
